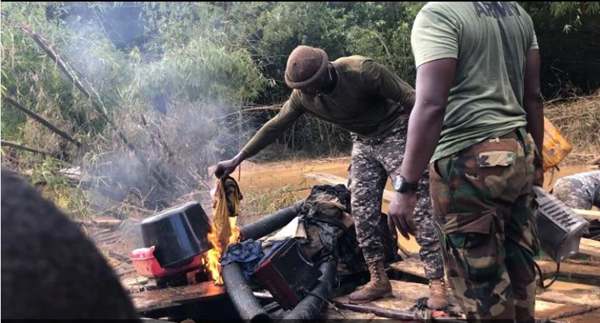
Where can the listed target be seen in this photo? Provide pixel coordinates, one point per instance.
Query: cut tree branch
(65, 68)
(41, 120)
(18, 146)
(100, 108)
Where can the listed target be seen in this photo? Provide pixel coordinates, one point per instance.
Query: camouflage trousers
(579, 191)
(372, 162)
(483, 205)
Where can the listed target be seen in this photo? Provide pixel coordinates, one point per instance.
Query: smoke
(175, 143)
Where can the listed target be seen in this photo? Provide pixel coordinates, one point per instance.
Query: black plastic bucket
(174, 234)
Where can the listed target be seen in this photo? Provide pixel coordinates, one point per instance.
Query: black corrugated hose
(270, 223)
(241, 294)
(310, 306)
(250, 309)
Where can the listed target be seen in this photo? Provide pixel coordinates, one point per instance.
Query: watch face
(397, 182)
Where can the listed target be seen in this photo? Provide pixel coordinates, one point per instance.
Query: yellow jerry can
(555, 147)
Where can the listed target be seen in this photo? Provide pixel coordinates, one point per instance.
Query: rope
(569, 314)
(542, 275)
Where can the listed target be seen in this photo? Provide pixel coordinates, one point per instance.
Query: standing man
(579, 191)
(478, 123)
(365, 98)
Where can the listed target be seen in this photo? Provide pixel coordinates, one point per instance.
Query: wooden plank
(589, 247)
(569, 297)
(588, 214)
(414, 267)
(326, 178)
(570, 270)
(559, 292)
(584, 318)
(176, 296)
(545, 310)
(406, 294)
(411, 266)
(106, 221)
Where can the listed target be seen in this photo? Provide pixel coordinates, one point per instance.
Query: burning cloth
(226, 205)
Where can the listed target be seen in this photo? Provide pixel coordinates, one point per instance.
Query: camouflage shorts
(372, 163)
(482, 200)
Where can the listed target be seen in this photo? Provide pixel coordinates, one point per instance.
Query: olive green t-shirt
(490, 41)
(368, 100)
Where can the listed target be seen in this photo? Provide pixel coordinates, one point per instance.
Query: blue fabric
(247, 253)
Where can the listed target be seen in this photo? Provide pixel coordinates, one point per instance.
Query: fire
(213, 256)
(235, 232)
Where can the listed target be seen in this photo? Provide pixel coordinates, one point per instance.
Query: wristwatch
(401, 185)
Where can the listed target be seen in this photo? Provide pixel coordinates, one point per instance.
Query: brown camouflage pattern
(483, 205)
(579, 191)
(372, 163)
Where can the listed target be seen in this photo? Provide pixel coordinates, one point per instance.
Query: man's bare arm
(533, 102)
(434, 81)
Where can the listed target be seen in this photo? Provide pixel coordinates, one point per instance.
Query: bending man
(368, 100)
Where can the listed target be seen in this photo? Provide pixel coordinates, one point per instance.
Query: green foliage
(566, 16)
(381, 30)
(175, 77)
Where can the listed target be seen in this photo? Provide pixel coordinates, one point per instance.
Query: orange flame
(214, 255)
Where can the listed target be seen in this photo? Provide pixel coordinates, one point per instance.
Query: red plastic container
(147, 266)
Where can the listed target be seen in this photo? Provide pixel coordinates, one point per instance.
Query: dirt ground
(264, 178)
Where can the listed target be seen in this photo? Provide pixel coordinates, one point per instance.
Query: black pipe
(310, 306)
(241, 295)
(271, 222)
(250, 309)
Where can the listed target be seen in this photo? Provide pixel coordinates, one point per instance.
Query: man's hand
(538, 177)
(225, 168)
(401, 214)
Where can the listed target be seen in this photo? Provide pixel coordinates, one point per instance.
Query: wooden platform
(570, 270)
(405, 294)
(561, 298)
(176, 296)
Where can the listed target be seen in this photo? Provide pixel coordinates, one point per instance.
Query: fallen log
(41, 120)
